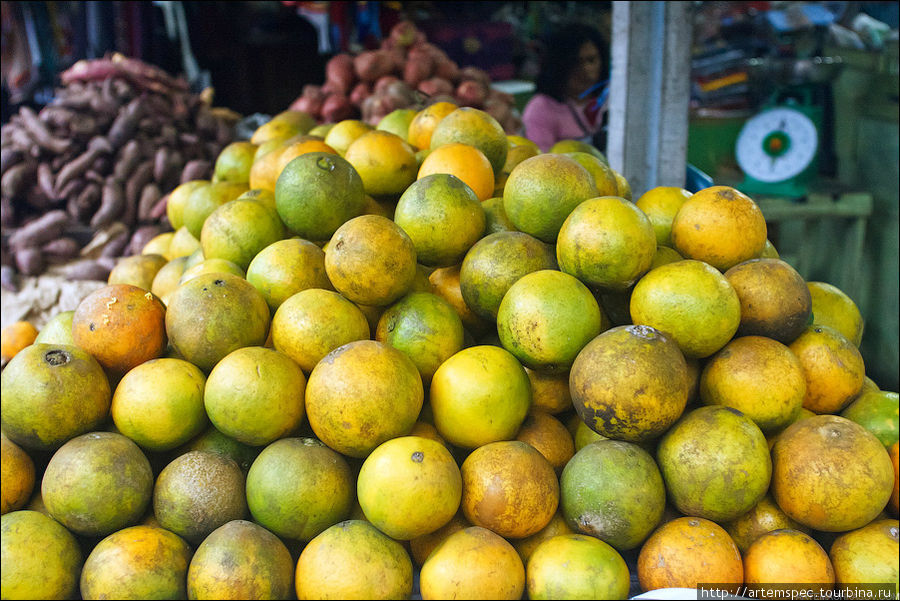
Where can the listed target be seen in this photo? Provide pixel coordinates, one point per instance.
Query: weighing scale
(777, 149)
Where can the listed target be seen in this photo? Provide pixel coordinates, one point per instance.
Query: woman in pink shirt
(565, 104)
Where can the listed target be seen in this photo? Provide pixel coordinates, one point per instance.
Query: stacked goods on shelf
(404, 73)
(100, 159)
(363, 364)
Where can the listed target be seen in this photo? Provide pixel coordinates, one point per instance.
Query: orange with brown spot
(509, 488)
(122, 326)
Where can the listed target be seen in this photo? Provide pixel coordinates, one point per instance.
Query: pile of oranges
(366, 353)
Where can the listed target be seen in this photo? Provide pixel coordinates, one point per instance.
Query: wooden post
(649, 93)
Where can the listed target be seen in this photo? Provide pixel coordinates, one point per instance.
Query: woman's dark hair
(560, 57)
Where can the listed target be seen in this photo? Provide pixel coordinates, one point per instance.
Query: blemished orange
(576, 566)
(424, 122)
(509, 488)
(606, 242)
(550, 437)
(17, 476)
(690, 301)
(138, 562)
(422, 546)
(833, 307)
(313, 322)
(442, 216)
(767, 516)
(833, 368)
(284, 124)
(385, 162)
(787, 556)
(446, 284)
(549, 392)
(556, 526)
(542, 191)
(688, 551)
(758, 376)
(830, 473)
(137, 270)
(473, 563)
(775, 301)
(255, 395)
(122, 326)
(15, 337)
(629, 383)
(465, 162)
(721, 226)
(866, 555)
(382, 568)
(895, 495)
(362, 394)
(371, 260)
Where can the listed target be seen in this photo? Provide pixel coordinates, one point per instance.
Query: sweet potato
(471, 93)
(435, 86)
(337, 108)
(196, 169)
(45, 180)
(39, 231)
(75, 168)
(128, 158)
(447, 69)
(126, 123)
(142, 176)
(159, 209)
(61, 249)
(17, 179)
(141, 237)
(112, 203)
(81, 207)
(86, 269)
(8, 158)
(339, 70)
(360, 92)
(29, 261)
(41, 134)
(308, 104)
(116, 245)
(7, 212)
(150, 195)
(398, 95)
(383, 82)
(419, 67)
(372, 64)
(476, 74)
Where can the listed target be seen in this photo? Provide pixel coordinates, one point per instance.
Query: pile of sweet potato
(101, 158)
(405, 72)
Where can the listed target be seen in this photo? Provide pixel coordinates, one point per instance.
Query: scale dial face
(777, 145)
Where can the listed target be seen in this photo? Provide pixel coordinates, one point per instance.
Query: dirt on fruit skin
(140, 562)
(52, 393)
(630, 383)
(97, 483)
(240, 560)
